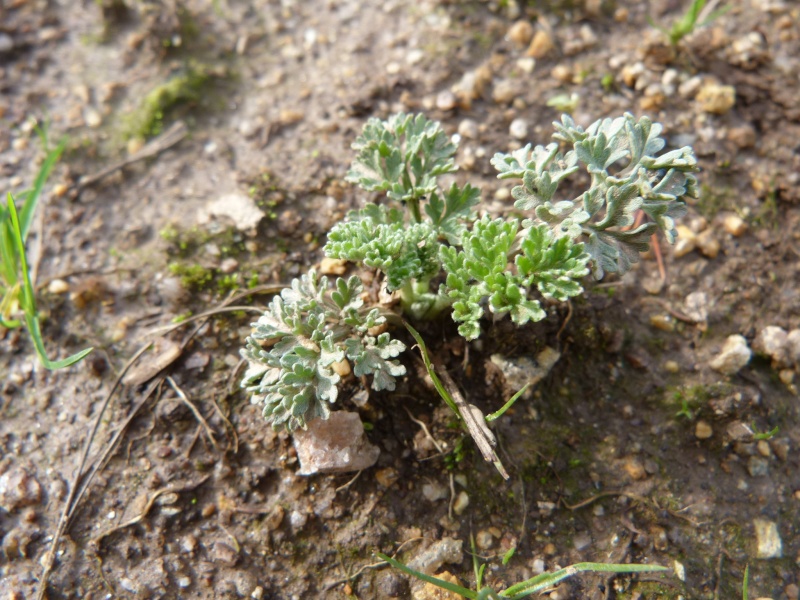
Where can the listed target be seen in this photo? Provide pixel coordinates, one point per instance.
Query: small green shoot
(764, 435)
(15, 282)
(689, 21)
(509, 555)
(18, 290)
(745, 582)
(525, 588)
(685, 411)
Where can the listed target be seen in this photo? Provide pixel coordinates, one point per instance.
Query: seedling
(437, 256)
(16, 287)
(689, 21)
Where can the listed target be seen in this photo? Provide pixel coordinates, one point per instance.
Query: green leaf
(449, 214)
(403, 252)
(402, 156)
(371, 356)
(620, 156)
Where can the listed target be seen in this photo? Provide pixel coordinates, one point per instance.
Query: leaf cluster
(627, 175)
(295, 344)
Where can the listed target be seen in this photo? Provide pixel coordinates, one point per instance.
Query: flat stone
(430, 560)
(768, 540)
(335, 445)
(240, 209)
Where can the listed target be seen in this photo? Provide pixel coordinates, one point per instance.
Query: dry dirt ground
(632, 449)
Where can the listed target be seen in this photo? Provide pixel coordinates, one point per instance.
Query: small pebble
(763, 448)
(715, 98)
(229, 265)
(518, 129)
(387, 477)
(708, 244)
(541, 45)
(768, 540)
(581, 540)
(635, 469)
(461, 503)
(758, 466)
(446, 100)
(792, 591)
(773, 341)
(58, 286)
(527, 65)
(342, 368)
(520, 33)
(686, 242)
(562, 73)
(434, 491)
(672, 367)
(484, 539)
(332, 266)
(92, 117)
(504, 92)
(663, 322)
(703, 431)
(734, 355)
(468, 129)
(743, 136)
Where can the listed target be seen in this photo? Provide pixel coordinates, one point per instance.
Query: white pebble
(468, 129)
(734, 355)
(518, 129)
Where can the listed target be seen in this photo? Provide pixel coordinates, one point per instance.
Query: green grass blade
(437, 383)
(446, 585)
(746, 582)
(507, 405)
(29, 302)
(32, 197)
(546, 580)
(8, 268)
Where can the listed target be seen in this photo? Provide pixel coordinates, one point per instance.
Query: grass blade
(507, 405)
(546, 580)
(28, 301)
(31, 198)
(446, 585)
(746, 582)
(437, 383)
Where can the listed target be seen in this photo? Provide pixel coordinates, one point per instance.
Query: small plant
(689, 21)
(15, 281)
(436, 254)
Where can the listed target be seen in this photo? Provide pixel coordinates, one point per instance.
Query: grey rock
(758, 466)
(446, 550)
(335, 445)
(239, 208)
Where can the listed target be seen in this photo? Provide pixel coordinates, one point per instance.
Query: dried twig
(197, 414)
(74, 496)
(176, 132)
